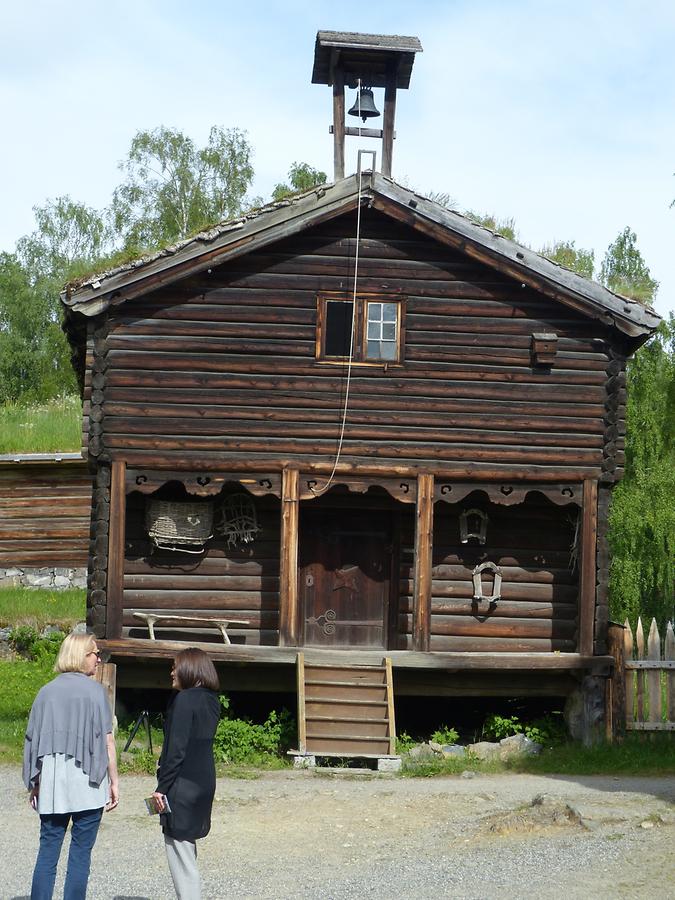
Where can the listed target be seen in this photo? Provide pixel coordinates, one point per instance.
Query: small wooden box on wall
(544, 347)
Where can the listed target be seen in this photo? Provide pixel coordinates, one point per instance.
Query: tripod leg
(132, 735)
(147, 725)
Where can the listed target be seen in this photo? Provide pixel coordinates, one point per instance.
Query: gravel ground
(303, 835)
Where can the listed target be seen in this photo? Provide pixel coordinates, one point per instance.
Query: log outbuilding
(432, 484)
(351, 425)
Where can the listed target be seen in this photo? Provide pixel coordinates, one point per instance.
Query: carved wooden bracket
(402, 489)
(478, 582)
(202, 484)
(508, 494)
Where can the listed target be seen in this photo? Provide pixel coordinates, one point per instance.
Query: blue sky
(558, 115)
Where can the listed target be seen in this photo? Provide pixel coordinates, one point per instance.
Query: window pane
(338, 328)
(388, 350)
(389, 314)
(375, 312)
(389, 331)
(381, 350)
(374, 331)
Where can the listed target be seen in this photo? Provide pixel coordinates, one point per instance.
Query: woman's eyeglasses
(96, 653)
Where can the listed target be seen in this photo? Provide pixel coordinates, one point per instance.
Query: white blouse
(65, 788)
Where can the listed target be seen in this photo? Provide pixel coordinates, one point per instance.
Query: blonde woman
(70, 766)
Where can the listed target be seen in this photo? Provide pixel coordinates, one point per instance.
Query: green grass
(47, 427)
(636, 754)
(37, 607)
(20, 679)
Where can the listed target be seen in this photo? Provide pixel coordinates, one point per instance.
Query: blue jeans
(82, 837)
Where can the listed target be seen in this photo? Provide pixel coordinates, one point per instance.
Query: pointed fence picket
(649, 678)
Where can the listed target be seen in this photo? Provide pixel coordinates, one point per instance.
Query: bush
(550, 729)
(27, 642)
(497, 727)
(404, 743)
(445, 735)
(242, 741)
(22, 640)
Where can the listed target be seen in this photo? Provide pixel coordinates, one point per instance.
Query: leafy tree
(642, 519)
(34, 356)
(301, 177)
(623, 269)
(67, 241)
(173, 188)
(505, 227)
(565, 253)
(69, 237)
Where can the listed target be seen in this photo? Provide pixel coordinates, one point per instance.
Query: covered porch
(384, 583)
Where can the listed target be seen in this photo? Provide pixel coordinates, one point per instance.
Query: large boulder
(484, 750)
(518, 745)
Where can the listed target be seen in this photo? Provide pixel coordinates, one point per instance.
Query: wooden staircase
(346, 710)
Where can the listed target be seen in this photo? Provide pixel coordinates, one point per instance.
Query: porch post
(424, 537)
(589, 531)
(115, 585)
(288, 566)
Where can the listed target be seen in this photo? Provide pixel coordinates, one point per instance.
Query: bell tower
(363, 62)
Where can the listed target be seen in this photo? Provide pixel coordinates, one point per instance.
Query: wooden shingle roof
(364, 56)
(292, 215)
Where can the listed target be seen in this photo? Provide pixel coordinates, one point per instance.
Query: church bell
(364, 105)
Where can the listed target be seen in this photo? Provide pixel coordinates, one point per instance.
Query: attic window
(378, 327)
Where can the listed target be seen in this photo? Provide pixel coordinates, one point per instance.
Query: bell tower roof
(360, 54)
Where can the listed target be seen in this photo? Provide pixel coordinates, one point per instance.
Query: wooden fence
(644, 679)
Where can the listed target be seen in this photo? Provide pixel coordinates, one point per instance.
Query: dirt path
(294, 834)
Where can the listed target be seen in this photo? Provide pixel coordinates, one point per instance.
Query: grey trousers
(182, 858)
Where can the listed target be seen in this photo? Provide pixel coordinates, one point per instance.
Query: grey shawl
(70, 715)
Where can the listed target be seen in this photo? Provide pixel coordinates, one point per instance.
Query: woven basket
(175, 525)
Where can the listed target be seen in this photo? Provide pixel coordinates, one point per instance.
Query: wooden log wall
(44, 514)
(220, 368)
(241, 581)
(538, 609)
(99, 534)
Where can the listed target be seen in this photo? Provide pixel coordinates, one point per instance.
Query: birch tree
(172, 188)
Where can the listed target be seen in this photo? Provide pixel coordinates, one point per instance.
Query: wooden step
(347, 748)
(347, 692)
(359, 719)
(359, 709)
(364, 730)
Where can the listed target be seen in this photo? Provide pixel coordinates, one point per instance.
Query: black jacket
(186, 772)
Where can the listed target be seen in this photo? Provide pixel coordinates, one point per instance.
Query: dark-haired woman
(186, 773)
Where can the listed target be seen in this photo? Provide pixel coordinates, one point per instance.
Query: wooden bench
(216, 622)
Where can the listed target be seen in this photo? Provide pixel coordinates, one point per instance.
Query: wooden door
(344, 574)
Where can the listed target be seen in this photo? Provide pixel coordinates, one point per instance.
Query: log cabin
(354, 423)
(45, 509)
